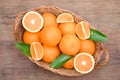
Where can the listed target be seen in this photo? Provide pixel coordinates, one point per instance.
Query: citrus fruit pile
(59, 41)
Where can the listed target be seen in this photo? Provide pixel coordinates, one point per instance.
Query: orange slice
(32, 21)
(83, 30)
(84, 63)
(36, 50)
(65, 17)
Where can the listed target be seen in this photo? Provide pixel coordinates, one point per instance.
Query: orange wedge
(36, 50)
(84, 63)
(32, 21)
(65, 17)
(83, 30)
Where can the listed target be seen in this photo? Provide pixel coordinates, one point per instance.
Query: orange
(68, 28)
(49, 19)
(50, 36)
(65, 17)
(36, 50)
(87, 46)
(32, 21)
(70, 44)
(29, 37)
(84, 63)
(50, 53)
(69, 64)
(83, 30)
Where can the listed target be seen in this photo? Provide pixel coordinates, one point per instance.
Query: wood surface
(103, 14)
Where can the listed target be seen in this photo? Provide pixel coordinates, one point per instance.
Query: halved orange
(36, 50)
(65, 17)
(83, 30)
(32, 21)
(84, 63)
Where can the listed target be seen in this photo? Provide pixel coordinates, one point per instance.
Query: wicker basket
(100, 59)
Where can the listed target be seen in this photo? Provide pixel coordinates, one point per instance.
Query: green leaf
(60, 61)
(24, 48)
(97, 36)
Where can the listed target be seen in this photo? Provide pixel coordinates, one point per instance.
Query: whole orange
(69, 44)
(69, 64)
(49, 19)
(29, 37)
(50, 36)
(87, 46)
(50, 53)
(68, 28)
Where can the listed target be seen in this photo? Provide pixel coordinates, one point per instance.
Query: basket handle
(106, 58)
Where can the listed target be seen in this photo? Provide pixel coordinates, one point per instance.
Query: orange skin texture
(50, 53)
(50, 36)
(30, 37)
(70, 44)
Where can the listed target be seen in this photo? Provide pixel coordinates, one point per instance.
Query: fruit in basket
(36, 50)
(70, 44)
(84, 63)
(65, 17)
(87, 46)
(60, 61)
(32, 21)
(50, 41)
(49, 20)
(50, 36)
(29, 37)
(69, 64)
(50, 53)
(68, 28)
(83, 30)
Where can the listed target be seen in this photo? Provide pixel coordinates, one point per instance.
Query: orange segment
(87, 46)
(83, 30)
(65, 17)
(32, 21)
(84, 63)
(36, 50)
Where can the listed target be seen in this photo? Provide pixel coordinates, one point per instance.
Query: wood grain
(103, 14)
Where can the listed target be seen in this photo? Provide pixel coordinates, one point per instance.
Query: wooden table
(103, 14)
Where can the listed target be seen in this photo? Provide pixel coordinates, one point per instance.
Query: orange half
(36, 50)
(32, 21)
(65, 17)
(84, 63)
(83, 30)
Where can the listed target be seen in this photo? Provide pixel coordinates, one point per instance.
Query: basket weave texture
(101, 55)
